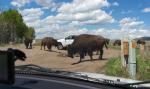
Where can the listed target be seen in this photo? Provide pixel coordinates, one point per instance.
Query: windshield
(95, 37)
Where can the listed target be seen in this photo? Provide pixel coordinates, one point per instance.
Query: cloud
(130, 22)
(32, 16)
(77, 6)
(58, 32)
(67, 23)
(19, 3)
(92, 17)
(146, 10)
(115, 4)
(44, 3)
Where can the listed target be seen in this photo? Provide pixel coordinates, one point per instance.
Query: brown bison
(140, 41)
(49, 42)
(28, 43)
(107, 43)
(117, 42)
(86, 44)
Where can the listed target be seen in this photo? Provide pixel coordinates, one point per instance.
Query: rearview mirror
(7, 73)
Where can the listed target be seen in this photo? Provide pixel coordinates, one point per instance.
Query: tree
(30, 33)
(13, 28)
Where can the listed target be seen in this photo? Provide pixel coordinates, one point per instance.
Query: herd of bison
(84, 44)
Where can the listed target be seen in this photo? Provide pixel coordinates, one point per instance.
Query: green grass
(143, 68)
(114, 68)
(114, 47)
(2, 45)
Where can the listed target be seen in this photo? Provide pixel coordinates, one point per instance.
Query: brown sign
(125, 48)
(134, 44)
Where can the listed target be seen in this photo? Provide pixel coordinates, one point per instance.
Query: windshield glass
(96, 37)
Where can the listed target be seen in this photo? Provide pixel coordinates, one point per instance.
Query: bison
(48, 41)
(86, 44)
(28, 43)
(140, 41)
(107, 43)
(117, 42)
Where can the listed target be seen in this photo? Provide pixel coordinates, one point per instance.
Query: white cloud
(19, 3)
(32, 12)
(58, 32)
(115, 4)
(130, 22)
(44, 3)
(63, 24)
(77, 6)
(146, 10)
(32, 16)
(92, 17)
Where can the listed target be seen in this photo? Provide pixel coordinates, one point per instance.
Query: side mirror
(7, 68)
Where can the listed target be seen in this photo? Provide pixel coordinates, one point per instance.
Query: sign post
(132, 59)
(128, 55)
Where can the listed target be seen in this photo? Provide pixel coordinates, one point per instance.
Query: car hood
(60, 40)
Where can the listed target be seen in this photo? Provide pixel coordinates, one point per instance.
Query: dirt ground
(57, 59)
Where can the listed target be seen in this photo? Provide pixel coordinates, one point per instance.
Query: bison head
(107, 41)
(70, 50)
(18, 54)
(55, 42)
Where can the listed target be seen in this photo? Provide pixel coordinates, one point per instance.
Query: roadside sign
(134, 45)
(125, 48)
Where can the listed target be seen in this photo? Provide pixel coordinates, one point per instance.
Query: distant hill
(144, 38)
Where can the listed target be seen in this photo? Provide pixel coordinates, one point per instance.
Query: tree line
(13, 29)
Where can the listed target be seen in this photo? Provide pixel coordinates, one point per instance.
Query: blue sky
(66, 17)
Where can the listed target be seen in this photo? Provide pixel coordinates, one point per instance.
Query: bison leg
(49, 47)
(97, 52)
(31, 45)
(81, 56)
(101, 54)
(26, 46)
(41, 46)
(44, 47)
(90, 53)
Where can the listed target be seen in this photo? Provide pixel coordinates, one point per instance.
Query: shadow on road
(52, 51)
(104, 59)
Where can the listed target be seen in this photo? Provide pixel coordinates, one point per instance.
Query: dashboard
(44, 82)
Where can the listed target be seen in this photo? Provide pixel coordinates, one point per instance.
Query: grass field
(115, 68)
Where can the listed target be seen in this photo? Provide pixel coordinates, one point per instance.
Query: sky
(61, 18)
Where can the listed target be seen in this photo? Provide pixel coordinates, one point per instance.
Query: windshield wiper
(37, 70)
